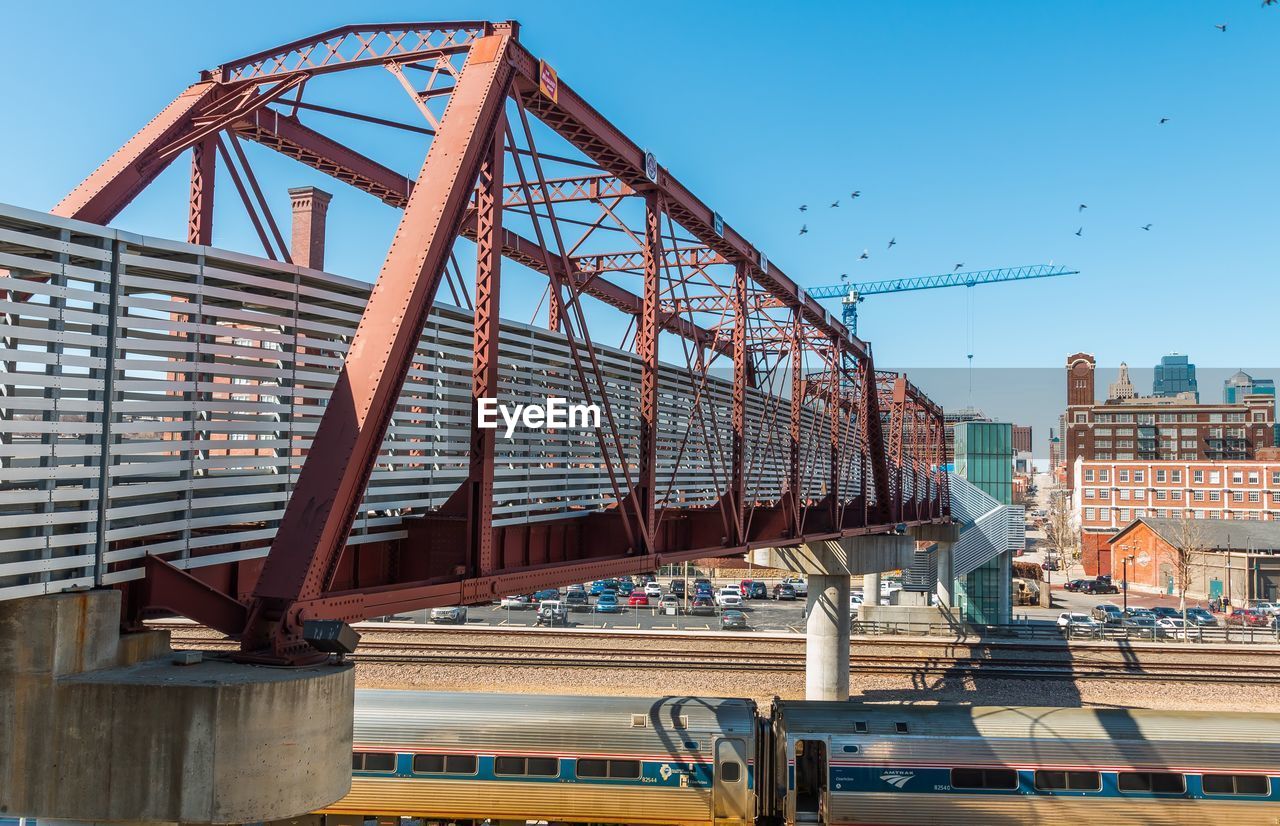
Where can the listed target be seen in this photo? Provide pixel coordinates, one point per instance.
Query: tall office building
(1242, 384)
(1175, 374)
(1121, 388)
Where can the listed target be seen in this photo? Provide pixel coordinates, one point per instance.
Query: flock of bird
(1079, 233)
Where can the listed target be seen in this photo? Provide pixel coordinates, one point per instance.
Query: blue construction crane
(851, 295)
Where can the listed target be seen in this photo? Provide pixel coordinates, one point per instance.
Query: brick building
(1022, 438)
(1239, 560)
(1167, 428)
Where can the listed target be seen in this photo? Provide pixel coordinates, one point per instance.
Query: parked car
(1163, 611)
(1107, 613)
(732, 620)
(607, 603)
(799, 584)
(577, 586)
(1075, 584)
(546, 594)
(1172, 628)
(729, 597)
(638, 599)
(702, 580)
(552, 612)
(625, 588)
(1099, 585)
(1266, 607)
(597, 588)
(784, 590)
(450, 615)
(667, 601)
(1049, 565)
(645, 579)
(1201, 617)
(703, 606)
(652, 589)
(753, 589)
(1140, 626)
(855, 604)
(1141, 612)
(1249, 618)
(1074, 622)
(703, 589)
(577, 601)
(517, 601)
(677, 587)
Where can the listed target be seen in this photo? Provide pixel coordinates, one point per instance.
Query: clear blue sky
(973, 129)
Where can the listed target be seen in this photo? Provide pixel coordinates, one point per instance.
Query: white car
(1076, 623)
(1171, 628)
(729, 597)
(800, 584)
(855, 604)
(1271, 608)
(652, 589)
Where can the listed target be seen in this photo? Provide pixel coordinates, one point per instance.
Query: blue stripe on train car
(666, 773)
(933, 780)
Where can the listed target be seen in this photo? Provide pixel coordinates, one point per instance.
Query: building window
(1139, 477)
(1089, 514)
(1176, 477)
(1199, 514)
(1124, 456)
(1175, 494)
(1237, 478)
(1197, 495)
(1189, 444)
(1122, 476)
(1254, 496)
(1088, 493)
(1152, 782)
(1162, 494)
(1160, 476)
(1253, 477)
(1080, 418)
(984, 779)
(1101, 431)
(1275, 477)
(1088, 475)
(1124, 494)
(1124, 515)
(1197, 476)
(1104, 475)
(1215, 478)
(1215, 496)
(1104, 494)
(1275, 497)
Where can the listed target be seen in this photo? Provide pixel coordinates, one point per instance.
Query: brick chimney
(310, 207)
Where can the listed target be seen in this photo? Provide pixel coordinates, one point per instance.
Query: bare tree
(1060, 531)
(1189, 545)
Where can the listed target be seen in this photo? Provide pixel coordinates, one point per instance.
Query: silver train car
(470, 757)
(467, 758)
(845, 763)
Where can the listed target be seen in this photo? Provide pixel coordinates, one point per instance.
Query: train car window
(593, 768)
(850, 749)
(1068, 781)
(1236, 784)
(428, 764)
(544, 766)
(901, 728)
(373, 761)
(508, 765)
(1155, 782)
(460, 763)
(984, 779)
(730, 771)
(860, 726)
(625, 769)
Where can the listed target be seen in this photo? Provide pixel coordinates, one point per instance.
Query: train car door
(811, 781)
(730, 798)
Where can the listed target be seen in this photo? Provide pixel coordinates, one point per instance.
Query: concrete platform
(108, 728)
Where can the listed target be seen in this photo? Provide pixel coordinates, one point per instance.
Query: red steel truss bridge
(762, 423)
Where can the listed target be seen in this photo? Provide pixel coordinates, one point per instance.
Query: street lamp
(1124, 582)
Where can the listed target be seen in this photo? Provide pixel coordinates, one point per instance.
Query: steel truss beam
(757, 317)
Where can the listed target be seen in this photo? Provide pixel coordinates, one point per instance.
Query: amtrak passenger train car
(465, 758)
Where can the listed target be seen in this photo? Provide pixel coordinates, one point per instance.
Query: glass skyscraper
(1175, 374)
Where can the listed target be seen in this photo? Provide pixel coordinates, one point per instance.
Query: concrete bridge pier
(100, 727)
(829, 566)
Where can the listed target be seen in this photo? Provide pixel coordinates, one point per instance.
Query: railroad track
(578, 657)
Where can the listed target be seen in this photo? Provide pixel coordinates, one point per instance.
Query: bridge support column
(826, 674)
(871, 588)
(103, 727)
(946, 576)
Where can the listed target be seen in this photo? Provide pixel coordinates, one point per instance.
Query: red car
(638, 599)
(1249, 617)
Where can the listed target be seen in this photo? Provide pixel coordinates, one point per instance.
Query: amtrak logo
(665, 771)
(897, 779)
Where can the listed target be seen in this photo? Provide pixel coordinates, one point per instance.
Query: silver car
(449, 615)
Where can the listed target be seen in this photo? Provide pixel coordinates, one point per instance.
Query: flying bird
(857, 193)
(1147, 227)
(1080, 231)
(958, 268)
(1164, 120)
(844, 276)
(804, 229)
(1266, 3)
(835, 204)
(1222, 27)
(865, 255)
(892, 241)
(1082, 208)
(804, 207)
